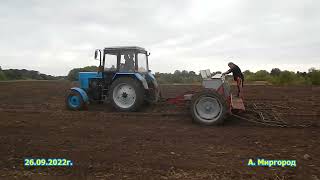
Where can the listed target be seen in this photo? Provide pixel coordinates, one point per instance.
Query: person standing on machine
(237, 76)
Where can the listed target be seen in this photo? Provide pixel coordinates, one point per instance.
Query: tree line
(23, 74)
(275, 76)
(278, 77)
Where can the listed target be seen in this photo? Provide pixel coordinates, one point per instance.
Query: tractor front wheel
(208, 108)
(126, 94)
(74, 101)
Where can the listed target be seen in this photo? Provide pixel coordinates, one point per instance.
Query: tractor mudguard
(82, 93)
(154, 81)
(135, 75)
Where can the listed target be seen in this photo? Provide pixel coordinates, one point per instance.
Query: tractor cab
(123, 78)
(123, 59)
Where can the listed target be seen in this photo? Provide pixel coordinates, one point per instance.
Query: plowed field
(159, 142)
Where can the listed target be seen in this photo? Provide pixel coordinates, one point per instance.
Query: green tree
(275, 72)
(261, 75)
(22, 74)
(184, 72)
(247, 72)
(178, 77)
(2, 75)
(177, 72)
(310, 70)
(73, 74)
(288, 78)
(315, 77)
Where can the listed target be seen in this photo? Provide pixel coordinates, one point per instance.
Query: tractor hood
(85, 76)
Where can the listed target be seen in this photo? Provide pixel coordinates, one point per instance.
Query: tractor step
(237, 103)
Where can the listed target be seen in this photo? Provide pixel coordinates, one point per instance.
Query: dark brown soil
(160, 142)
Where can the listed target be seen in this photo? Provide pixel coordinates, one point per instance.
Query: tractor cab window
(127, 62)
(142, 62)
(110, 62)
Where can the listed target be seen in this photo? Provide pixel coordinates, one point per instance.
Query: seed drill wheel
(208, 108)
(74, 101)
(126, 94)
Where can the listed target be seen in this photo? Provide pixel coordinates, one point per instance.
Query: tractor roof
(116, 49)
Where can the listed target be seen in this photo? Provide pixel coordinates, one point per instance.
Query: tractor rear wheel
(74, 101)
(126, 94)
(208, 108)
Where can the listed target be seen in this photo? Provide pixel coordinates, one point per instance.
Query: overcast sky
(55, 36)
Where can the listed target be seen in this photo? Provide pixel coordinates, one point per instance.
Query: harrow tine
(255, 106)
(259, 122)
(284, 107)
(261, 116)
(276, 115)
(266, 115)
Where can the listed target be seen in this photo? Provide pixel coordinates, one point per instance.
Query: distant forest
(23, 74)
(275, 76)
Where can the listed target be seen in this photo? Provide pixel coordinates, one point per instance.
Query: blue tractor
(123, 79)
